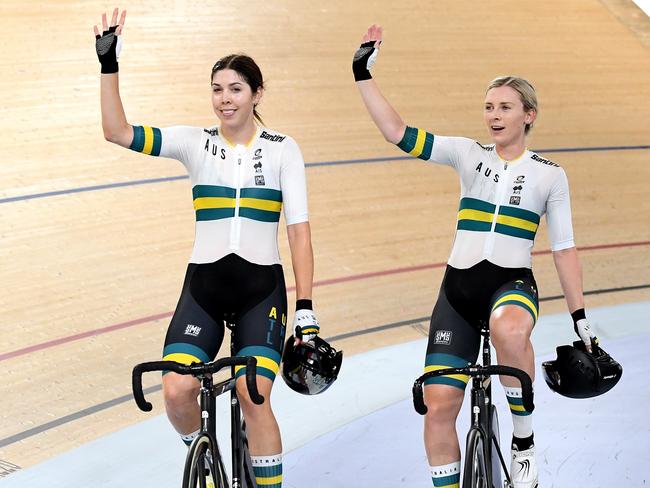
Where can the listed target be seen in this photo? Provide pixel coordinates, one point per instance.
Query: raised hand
(109, 43)
(374, 33)
(367, 53)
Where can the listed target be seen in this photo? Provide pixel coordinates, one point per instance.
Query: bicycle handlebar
(195, 369)
(522, 376)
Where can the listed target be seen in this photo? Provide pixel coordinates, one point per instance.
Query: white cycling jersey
(238, 190)
(501, 202)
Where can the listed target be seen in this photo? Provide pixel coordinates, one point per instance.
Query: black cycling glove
(363, 60)
(108, 49)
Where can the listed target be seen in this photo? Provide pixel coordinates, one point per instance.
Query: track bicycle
(204, 466)
(484, 463)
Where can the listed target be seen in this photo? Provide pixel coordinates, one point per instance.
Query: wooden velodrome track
(89, 278)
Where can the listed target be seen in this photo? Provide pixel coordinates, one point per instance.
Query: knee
(251, 410)
(443, 403)
(510, 334)
(179, 391)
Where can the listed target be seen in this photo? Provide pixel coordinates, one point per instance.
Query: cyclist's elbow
(395, 133)
(121, 137)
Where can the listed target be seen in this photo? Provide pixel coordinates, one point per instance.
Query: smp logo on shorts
(442, 337)
(192, 330)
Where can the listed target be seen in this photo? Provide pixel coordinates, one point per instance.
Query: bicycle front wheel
(203, 465)
(475, 473)
(495, 449)
(247, 468)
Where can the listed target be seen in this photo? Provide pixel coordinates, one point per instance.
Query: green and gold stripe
(219, 202)
(451, 481)
(268, 361)
(417, 142)
(437, 361)
(476, 215)
(521, 300)
(146, 140)
(516, 405)
(268, 476)
(517, 222)
(213, 202)
(263, 204)
(184, 353)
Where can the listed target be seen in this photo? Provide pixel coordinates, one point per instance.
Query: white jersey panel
(501, 202)
(238, 191)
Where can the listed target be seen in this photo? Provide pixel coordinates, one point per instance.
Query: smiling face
(505, 116)
(233, 100)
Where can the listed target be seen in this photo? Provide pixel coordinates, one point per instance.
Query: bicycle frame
(482, 417)
(207, 400)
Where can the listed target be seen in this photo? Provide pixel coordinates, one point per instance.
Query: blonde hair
(526, 92)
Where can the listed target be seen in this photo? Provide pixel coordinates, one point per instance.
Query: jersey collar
(514, 161)
(241, 147)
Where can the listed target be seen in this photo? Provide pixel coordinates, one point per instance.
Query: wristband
(578, 315)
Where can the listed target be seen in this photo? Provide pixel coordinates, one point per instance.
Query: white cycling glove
(305, 320)
(582, 328)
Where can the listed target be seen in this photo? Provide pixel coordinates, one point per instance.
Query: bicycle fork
(237, 441)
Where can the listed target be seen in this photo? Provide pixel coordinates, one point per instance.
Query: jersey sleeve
(177, 142)
(293, 184)
(558, 214)
(438, 149)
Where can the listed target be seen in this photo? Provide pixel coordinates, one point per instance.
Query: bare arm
(116, 128)
(302, 258)
(387, 120)
(569, 271)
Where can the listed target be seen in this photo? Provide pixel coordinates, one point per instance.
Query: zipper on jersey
(502, 186)
(235, 228)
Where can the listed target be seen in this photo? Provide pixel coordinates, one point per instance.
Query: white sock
(522, 421)
(188, 438)
(447, 475)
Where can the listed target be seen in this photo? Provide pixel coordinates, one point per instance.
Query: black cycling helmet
(577, 373)
(310, 367)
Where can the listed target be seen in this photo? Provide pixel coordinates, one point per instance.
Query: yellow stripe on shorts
(460, 377)
(517, 298)
(182, 358)
(263, 362)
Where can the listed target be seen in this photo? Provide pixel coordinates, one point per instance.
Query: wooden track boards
(77, 263)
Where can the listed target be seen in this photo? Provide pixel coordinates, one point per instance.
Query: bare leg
(440, 437)
(262, 429)
(510, 329)
(180, 393)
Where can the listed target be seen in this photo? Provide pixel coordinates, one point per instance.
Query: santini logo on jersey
(212, 132)
(271, 137)
(487, 148)
(544, 161)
